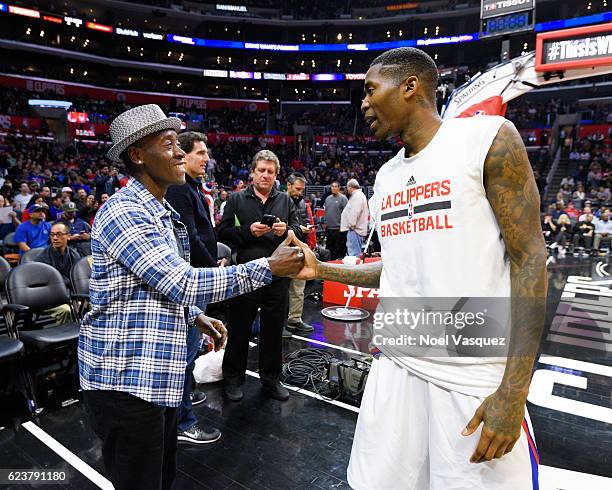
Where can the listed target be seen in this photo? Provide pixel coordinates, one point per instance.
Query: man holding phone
(255, 220)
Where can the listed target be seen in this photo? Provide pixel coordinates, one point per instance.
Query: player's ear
(409, 86)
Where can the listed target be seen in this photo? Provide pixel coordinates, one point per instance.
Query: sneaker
(299, 327)
(233, 392)
(197, 397)
(197, 435)
(276, 390)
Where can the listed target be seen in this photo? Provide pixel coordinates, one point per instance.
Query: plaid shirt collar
(158, 209)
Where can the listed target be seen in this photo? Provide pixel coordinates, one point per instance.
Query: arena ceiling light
(3, 7)
(57, 104)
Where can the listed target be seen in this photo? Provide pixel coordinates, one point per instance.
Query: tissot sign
(574, 48)
(493, 8)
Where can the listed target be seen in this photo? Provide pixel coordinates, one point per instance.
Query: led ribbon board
(582, 47)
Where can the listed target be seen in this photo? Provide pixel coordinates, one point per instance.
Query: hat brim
(118, 148)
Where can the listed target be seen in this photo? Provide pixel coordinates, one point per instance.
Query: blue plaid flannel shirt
(134, 337)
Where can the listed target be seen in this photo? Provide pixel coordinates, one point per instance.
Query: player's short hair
(401, 63)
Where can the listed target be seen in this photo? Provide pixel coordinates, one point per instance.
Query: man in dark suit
(189, 201)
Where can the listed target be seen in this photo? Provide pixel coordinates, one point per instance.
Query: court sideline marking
(68, 456)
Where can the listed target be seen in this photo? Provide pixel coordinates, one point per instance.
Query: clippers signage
(583, 47)
(493, 8)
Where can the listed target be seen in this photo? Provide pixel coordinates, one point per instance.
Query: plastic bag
(208, 367)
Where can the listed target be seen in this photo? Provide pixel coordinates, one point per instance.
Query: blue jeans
(353, 243)
(186, 419)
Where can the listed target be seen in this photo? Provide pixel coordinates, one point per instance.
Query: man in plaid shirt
(132, 345)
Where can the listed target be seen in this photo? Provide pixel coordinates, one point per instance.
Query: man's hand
(307, 230)
(257, 229)
(222, 262)
(502, 415)
(213, 328)
(311, 264)
(286, 260)
(279, 228)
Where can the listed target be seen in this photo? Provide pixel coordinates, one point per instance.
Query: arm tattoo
(513, 195)
(366, 275)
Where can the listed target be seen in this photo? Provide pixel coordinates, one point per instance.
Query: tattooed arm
(364, 275)
(513, 195)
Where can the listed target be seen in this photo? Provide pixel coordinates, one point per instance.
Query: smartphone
(268, 220)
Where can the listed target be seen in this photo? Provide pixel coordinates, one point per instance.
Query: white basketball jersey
(440, 238)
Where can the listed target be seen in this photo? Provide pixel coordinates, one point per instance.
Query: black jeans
(336, 243)
(138, 439)
(273, 300)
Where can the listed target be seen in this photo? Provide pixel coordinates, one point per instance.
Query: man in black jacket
(61, 257)
(189, 201)
(242, 229)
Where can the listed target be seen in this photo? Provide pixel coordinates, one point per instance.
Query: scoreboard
(501, 17)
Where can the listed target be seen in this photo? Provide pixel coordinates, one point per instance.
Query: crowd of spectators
(579, 217)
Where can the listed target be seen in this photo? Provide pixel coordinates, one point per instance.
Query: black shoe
(233, 392)
(276, 390)
(197, 435)
(299, 327)
(286, 334)
(197, 397)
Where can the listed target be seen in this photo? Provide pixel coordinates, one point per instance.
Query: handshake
(293, 258)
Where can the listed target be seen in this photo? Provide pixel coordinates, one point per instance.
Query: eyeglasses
(58, 234)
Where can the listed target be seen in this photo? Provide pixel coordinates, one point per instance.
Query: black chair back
(79, 276)
(31, 255)
(224, 252)
(5, 268)
(36, 285)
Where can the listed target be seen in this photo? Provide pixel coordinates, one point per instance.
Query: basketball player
(420, 420)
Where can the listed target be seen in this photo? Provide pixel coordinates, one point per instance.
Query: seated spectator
(8, 223)
(61, 257)
(603, 231)
(557, 211)
(571, 211)
(67, 193)
(55, 208)
(603, 194)
(25, 216)
(579, 194)
(35, 232)
(549, 228)
(80, 231)
(89, 210)
(584, 232)
(569, 180)
(565, 193)
(23, 198)
(564, 232)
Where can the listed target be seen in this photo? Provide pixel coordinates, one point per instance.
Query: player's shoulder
(478, 123)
